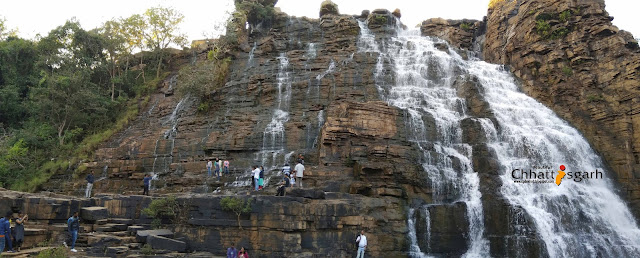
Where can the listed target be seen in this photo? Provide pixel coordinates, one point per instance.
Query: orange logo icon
(560, 175)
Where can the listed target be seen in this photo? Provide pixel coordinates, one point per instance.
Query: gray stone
(141, 235)
(306, 193)
(94, 213)
(160, 242)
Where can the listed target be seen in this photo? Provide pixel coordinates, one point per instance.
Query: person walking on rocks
(73, 225)
(147, 183)
(362, 244)
(232, 252)
(226, 167)
(209, 165)
(299, 172)
(19, 230)
(90, 179)
(256, 177)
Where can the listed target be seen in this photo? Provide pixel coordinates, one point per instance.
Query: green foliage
(164, 208)
(204, 78)
(328, 7)
(494, 3)
(465, 26)
(57, 252)
(567, 71)
(4, 31)
(565, 15)
(559, 33)
(255, 12)
(236, 205)
(542, 28)
(146, 249)
(595, 98)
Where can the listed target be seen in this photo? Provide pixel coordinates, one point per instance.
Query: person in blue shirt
(232, 252)
(73, 225)
(147, 184)
(5, 232)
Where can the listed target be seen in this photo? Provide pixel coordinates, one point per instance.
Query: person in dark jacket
(5, 233)
(282, 186)
(73, 225)
(147, 183)
(90, 179)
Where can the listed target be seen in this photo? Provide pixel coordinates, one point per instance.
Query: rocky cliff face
(570, 57)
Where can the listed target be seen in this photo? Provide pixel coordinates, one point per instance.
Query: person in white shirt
(209, 165)
(362, 244)
(256, 176)
(299, 173)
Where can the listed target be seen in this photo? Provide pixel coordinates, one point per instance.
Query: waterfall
(273, 139)
(253, 49)
(576, 219)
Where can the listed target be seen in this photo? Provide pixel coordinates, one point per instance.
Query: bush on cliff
(328, 7)
(236, 205)
(164, 208)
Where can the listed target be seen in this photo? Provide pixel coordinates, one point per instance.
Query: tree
(133, 28)
(4, 31)
(114, 39)
(163, 31)
(236, 205)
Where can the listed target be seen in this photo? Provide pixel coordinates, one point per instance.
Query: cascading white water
(423, 88)
(273, 142)
(574, 219)
(250, 62)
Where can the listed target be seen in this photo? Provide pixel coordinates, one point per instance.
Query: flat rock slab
(306, 193)
(141, 235)
(160, 242)
(112, 227)
(117, 250)
(94, 213)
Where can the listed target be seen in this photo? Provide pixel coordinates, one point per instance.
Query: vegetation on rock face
(465, 26)
(558, 31)
(164, 208)
(328, 7)
(494, 3)
(397, 13)
(236, 205)
(68, 91)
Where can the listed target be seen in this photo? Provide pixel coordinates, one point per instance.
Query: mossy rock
(328, 7)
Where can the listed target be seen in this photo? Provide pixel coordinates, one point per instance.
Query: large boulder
(306, 193)
(160, 242)
(94, 213)
(142, 235)
(328, 7)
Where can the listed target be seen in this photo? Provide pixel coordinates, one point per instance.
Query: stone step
(141, 235)
(111, 227)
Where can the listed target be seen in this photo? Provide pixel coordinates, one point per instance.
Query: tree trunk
(142, 67)
(159, 65)
(240, 226)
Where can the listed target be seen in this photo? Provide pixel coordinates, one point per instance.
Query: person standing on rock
(209, 165)
(232, 252)
(90, 179)
(19, 230)
(226, 167)
(5, 232)
(256, 177)
(299, 172)
(147, 183)
(286, 169)
(73, 225)
(220, 165)
(216, 169)
(243, 253)
(362, 244)
(261, 180)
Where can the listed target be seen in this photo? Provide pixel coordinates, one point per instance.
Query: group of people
(232, 252)
(289, 179)
(6, 237)
(219, 167)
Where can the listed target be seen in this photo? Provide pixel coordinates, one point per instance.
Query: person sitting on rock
(283, 185)
(232, 252)
(243, 253)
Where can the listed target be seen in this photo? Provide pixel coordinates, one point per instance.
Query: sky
(204, 17)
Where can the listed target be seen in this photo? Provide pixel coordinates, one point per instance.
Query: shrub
(164, 208)
(567, 71)
(57, 252)
(494, 3)
(565, 15)
(202, 79)
(236, 205)
(542, 28)
(594, 98)
(465, 26)
(146, 249)
(328, 7)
